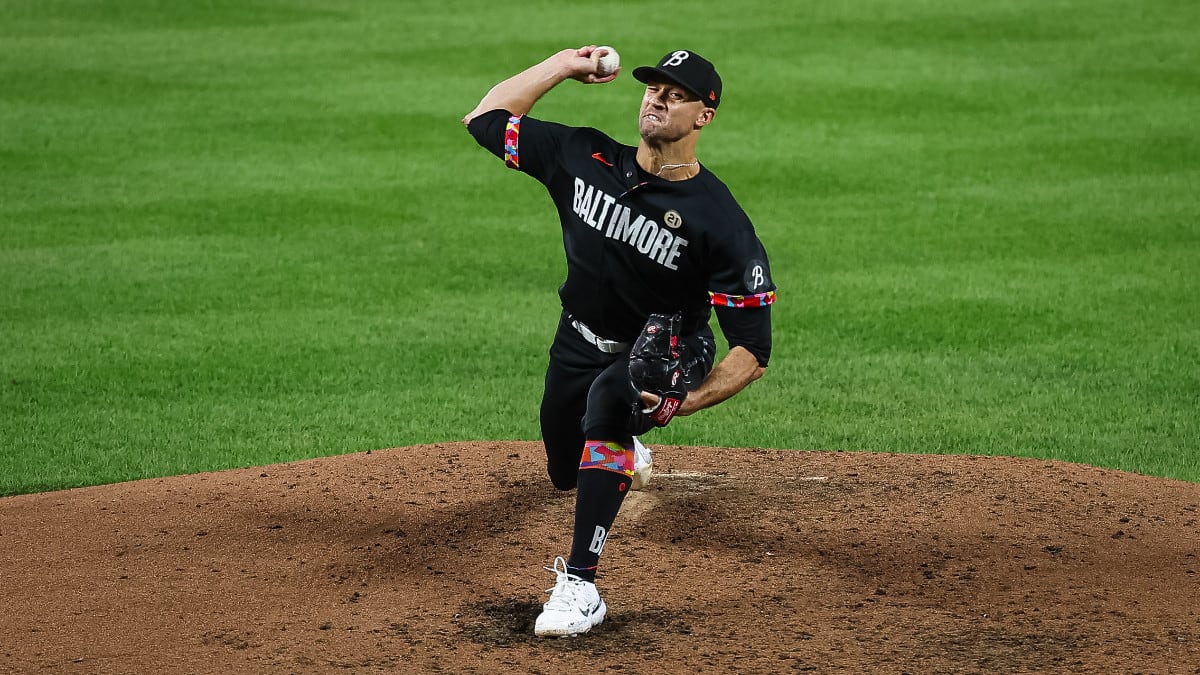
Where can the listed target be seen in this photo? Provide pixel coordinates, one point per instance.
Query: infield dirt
(430, 559)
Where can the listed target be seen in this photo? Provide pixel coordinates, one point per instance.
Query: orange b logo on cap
(712, 95)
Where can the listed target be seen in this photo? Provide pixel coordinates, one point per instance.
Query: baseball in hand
(607, 61)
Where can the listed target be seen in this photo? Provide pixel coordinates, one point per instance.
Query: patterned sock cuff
(607, 455)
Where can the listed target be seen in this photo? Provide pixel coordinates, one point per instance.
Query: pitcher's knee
(563, 478)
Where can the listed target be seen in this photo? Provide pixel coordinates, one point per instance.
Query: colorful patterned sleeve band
(756, 300)
(512, 134)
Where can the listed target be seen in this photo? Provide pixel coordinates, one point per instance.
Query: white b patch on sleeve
(757, 276)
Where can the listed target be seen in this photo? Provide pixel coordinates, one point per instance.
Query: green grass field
(236, 232)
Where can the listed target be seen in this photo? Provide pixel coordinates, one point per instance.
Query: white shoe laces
(566, 588)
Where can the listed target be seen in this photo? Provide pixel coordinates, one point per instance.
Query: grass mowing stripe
(241, 232)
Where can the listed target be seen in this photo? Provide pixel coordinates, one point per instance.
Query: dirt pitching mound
(430, 558)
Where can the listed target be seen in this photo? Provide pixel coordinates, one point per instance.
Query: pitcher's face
(670, 112)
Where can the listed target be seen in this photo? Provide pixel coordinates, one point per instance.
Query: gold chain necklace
(664, 167)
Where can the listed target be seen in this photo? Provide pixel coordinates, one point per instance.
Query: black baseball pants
(588, 395)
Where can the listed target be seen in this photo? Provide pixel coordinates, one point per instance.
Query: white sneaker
(643, 465)
(574, 606)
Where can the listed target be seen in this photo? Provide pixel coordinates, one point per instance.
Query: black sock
(585, 573)
(597, 501)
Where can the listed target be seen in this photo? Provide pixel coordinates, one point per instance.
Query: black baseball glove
(654, 368)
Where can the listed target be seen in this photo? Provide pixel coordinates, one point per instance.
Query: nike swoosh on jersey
(600, 158)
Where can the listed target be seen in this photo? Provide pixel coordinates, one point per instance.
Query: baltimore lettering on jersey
(601, 211)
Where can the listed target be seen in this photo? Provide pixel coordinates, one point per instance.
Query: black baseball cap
(688, 70)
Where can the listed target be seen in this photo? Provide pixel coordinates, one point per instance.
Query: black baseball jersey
(637, 244)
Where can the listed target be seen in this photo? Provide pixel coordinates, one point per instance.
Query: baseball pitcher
(655, 244)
